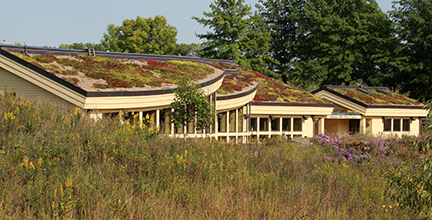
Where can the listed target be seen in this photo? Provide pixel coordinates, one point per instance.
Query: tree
(237, 34)
(192, 50)
(191, 105)
(81, 46)
(329, 41)
(413, 20)
(142, 35)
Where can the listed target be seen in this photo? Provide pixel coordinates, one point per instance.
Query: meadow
(57, 163)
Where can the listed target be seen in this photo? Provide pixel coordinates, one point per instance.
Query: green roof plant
(269, 89)
(377, 97)
(121, 74)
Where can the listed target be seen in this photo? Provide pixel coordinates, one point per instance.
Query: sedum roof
(269, 89)
(103, 73)
(374, 95)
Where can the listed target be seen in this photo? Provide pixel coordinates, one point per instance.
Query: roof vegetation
(120, 73)
(377, 97)
(269, 89)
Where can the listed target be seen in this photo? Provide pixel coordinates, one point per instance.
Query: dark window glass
(222, 122)
(286, 124)
(264, 124)
(240, 120)
(253, 124)
(232, 121)
(406, 125)
(396, 125)
(275, 124)
(297, 124)
(387, 125)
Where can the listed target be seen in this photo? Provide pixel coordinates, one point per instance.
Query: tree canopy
(413, 20)
(142, 35)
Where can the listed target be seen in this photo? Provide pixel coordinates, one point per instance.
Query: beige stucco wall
(28, 90)
(337, 126)
(377, 127)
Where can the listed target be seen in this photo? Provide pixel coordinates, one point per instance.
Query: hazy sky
(52, 22)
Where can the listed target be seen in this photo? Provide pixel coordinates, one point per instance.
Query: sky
(53, 22)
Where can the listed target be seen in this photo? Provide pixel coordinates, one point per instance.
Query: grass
(59, 164)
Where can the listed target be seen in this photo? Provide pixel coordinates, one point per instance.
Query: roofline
(261, 103)
(326, 88)
(91, 93)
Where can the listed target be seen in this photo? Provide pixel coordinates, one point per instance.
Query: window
(179, 129)
(387, 124)
(297, 124)
(191, 127)
(286, 124)
(232, 120)
(240, 120)
(396, 125)
(275, 124)
(406, 125)
(253, 124)
(264, 124)
(164, 121)
(222, 122)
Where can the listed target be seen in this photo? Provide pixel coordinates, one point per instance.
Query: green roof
(106, 73)
(375, 96)
(269, 89)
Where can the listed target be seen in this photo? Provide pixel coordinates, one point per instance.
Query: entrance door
(354, 125)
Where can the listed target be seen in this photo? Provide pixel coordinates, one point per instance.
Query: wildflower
(32, 166)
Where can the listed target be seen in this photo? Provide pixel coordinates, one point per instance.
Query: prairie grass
(59, 164)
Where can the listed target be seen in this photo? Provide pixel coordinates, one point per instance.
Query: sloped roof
(269, 89)
(370, 95)
(93, 73)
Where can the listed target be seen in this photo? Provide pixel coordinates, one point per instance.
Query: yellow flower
(32, 166)
(383, 206)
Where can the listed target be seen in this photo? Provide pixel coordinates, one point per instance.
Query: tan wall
(337, 126)
(28, 90)
(377, 127)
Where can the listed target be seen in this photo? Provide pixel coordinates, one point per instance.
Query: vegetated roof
(374, 95)
(103, 73)
(269, 89)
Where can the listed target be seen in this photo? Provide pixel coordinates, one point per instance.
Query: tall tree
(236, 34)
(142, 35)
(229, 21)
(329, 41)
(413, 20)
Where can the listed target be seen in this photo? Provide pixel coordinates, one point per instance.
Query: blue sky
(52, 22)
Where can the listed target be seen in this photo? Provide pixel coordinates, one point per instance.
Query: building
(247, 104)
(373, 110)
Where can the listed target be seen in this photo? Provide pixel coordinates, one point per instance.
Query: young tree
(413, 20)
(191, 105)
(142, 35)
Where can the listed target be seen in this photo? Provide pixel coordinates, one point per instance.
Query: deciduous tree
(142, 35)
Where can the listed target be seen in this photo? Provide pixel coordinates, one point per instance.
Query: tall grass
(59, 164)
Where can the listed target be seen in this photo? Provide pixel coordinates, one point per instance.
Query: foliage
(237, 34)
(52, 159)
(413, 20)
(329, 42)
(81, 45)
(142, 35)
(269, 89)
(191, 50)
(191, 105)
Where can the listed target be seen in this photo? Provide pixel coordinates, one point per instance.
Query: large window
(222, 122)
(298, 124)
(275, 126)
(396, 125)
(240, 120)
(387, 124)
(264, 124)
(164, 121)
(232, 120)
(286, 124)
(406, 125)
(253, 125)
